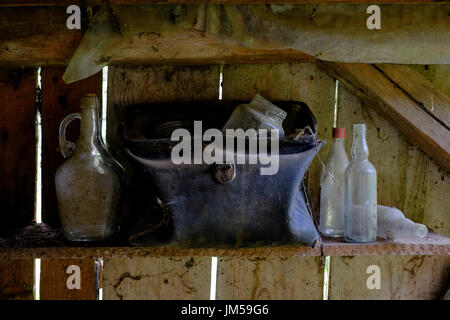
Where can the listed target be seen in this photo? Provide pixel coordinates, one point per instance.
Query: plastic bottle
(360, 192)
(392, 224)
(332, 188)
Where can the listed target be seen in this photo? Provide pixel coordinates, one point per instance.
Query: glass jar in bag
(260, 113)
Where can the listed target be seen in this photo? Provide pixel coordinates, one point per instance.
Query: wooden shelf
(434, 244)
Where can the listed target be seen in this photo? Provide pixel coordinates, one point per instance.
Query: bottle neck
(360, 151)
(338, 144)
(89, 126)
(418, 230)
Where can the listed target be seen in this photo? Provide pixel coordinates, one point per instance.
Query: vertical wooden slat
(54, 277)
(17, 172)
(58, 101)
(17, 147)
(16, 279)
(156, 278)
(401, 277)
(267, 278)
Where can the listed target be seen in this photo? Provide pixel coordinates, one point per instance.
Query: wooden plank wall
(269, 278)
(17, 147)
(16, 279)
(55, 275)
(157, 278)
(401, 277)
(17, 173)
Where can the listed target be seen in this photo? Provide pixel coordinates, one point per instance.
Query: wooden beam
(36, 37)
(35, 3)
(41, 38)
(420, 89)
(433, 244)
(400, 107)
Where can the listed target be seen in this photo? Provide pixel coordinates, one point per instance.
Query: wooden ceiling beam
(397, 93)
(36, 3)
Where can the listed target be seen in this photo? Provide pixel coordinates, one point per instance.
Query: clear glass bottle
(260, 113)
(392, 224)
(88, 184)
(360, 192)
(332, 185)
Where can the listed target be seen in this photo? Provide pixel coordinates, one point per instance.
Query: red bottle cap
(338, 132)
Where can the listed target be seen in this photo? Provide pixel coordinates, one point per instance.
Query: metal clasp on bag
(224, 173)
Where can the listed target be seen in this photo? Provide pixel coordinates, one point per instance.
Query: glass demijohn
(88, 183)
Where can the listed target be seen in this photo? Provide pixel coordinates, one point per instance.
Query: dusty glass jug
(88, 184)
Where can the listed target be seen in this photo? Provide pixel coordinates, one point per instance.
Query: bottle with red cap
(333, 187)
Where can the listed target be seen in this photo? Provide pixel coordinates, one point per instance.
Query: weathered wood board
(157, 278)
(406, 177)
(36, 34)
(419, 89)
(16, 279)
(269, 278)
(437, 74)
(58, 101)
(59, 282)
(15, 3)
(17, 147)
(17, 172)
(401, 277)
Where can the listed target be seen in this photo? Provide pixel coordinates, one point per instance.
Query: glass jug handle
(67, 148)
